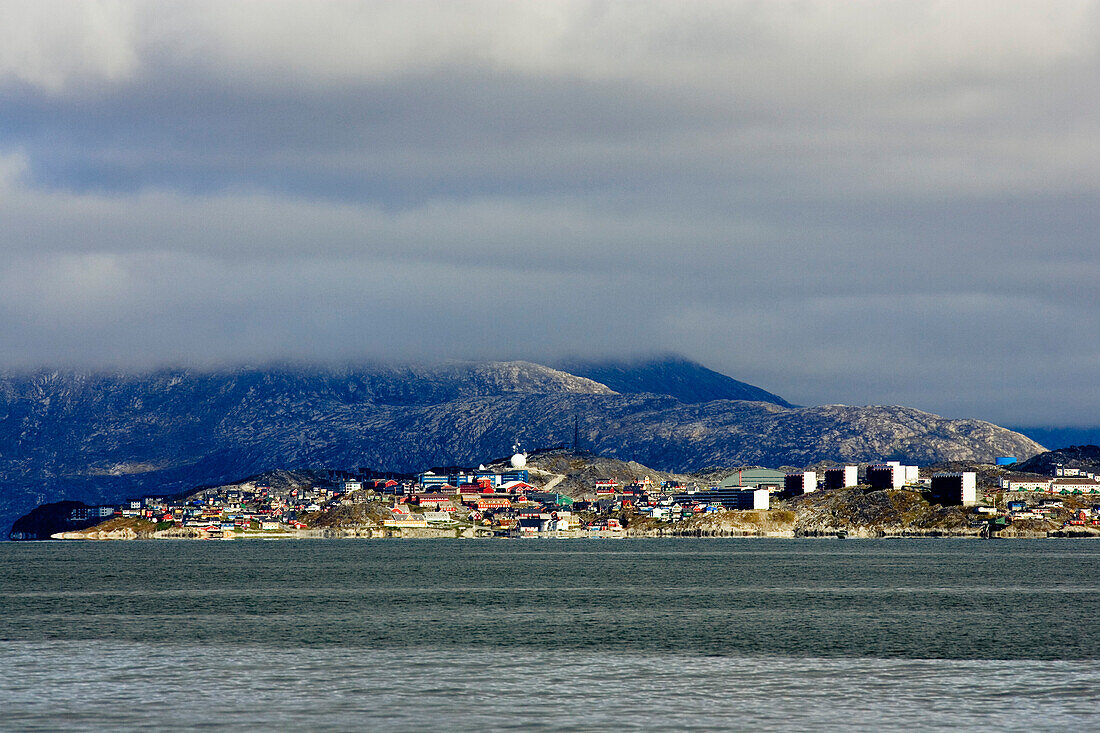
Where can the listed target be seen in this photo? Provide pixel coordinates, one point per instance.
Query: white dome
(519, 460)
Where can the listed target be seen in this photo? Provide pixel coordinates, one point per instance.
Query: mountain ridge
(101, 438)
(670, 374)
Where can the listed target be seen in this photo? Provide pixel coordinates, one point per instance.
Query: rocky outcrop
(45, 521)
(118, 528)
(1086, 457)
(94, 534)
(859, 512)
(775, 523)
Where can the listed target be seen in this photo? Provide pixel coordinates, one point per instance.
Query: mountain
(99, 438)
(673, 375)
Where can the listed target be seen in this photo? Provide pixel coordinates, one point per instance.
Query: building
(433, 500)
(841, 477)
(754, 478)
(1024, 483)
(549, 497)
(481, 477)
(728, 497)
(891, 475)
(492, 502)
(1079, 485)
(405, 520)
(85, 513)
(797, 484)
(486, 479)
(956, 487)
(754, 499)
(430, 479)
(515, 474)
(530, 526)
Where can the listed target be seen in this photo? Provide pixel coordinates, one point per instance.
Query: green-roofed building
(545, 497)
(754, 477)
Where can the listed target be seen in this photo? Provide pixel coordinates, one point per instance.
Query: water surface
(576, 634)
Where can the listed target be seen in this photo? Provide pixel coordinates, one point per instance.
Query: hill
(674, 376)
(99, 438)
(1075, 456)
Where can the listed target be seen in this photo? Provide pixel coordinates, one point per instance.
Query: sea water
(747, 634)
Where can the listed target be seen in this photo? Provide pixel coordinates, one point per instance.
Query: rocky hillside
(1086, 457)
(864, 513)
(101, 438)
(575, 474)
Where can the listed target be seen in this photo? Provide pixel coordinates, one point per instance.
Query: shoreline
(299, 535)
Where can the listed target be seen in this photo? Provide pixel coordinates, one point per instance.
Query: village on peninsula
(559, 493)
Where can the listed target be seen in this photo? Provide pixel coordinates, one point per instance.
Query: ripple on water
(127, 685)
(707, 634)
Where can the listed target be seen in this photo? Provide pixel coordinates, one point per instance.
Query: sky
(891, 202)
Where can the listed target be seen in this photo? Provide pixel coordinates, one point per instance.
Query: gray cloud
(841, 202)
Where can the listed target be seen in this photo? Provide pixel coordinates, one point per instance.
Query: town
(513, 498)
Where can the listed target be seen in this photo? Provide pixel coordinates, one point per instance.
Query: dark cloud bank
(839, 203)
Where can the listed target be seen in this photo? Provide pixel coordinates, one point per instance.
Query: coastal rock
(860, 512)
(97, 534)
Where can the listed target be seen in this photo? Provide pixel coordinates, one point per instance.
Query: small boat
(842, 534)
